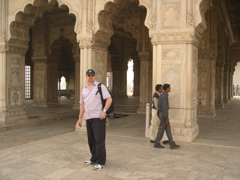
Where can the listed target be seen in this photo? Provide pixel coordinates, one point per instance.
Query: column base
(16, 117)
(3, 126)
(206, 112)
(181, 133)
(45, 104)
(142, 108)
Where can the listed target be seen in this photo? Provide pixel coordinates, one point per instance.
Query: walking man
(163, 107)
(95, 113)
(153, 129)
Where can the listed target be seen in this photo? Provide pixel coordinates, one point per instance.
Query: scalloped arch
(23, 12)
(201, 7)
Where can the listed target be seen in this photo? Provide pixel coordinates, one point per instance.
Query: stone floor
(55, 151)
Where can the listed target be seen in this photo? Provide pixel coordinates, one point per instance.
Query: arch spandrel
(201, 7)
(31, 9)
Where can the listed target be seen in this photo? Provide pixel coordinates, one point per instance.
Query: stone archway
(15, 57)
(61, 63)
(125, 20)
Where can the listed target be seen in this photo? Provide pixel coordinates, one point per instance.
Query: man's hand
(103, 115)
(79, 122)
(167, 122)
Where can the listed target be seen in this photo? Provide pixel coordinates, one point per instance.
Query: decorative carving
(86, 43)
(175, 37)
(170, 15)
(202, 98)
(190, 18)
(153, 20)
(171, 52)
(15, 98)
(189, 132)
(15, 77)
(202, 75)
(100, 57)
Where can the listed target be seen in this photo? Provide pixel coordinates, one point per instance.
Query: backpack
(111, 108)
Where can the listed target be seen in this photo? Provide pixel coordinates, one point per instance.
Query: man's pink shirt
(92, 100)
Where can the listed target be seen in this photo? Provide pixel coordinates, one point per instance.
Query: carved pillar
(117, 78)
(3, 85)
(136, 81)
(219, 84)
(225, 84)
(230, 94)
(77, 83)
(145, 81)
(206, 86)
(175, 62)
(40, 77)
(206, 67)
(124, 79)
(3, 65)
(52, 82)
(15, 83)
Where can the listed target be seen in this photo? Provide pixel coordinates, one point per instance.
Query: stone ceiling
(233, 7)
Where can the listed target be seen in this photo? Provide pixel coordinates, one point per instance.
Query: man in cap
(91, 105)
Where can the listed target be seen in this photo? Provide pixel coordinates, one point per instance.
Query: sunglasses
(90, 75)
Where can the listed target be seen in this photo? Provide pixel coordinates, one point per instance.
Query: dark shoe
(158, 146)
(174, 146)
(166, 142)
(151, 141)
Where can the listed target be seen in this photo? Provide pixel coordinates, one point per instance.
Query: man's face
(91, 77)
(160, 90)
(168, 89)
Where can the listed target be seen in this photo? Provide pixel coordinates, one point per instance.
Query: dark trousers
(96, 132)
(161, 129)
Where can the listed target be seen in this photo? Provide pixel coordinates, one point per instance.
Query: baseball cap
(90, 71)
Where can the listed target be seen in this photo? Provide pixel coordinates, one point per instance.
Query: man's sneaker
(158, 145)
(151, 141)
(98, 166)
(174, 146)
(89, 162)
(166, 142)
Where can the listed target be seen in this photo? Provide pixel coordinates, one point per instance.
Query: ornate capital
(102, 40)
(85, 43)
(207, 54)
(144, 56)
(39, 59)
(175, 38)
(17, 49)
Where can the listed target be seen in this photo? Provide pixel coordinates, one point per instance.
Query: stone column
(15, 84)
(3, 65)
(219, 84)
(40, 77)
(206, 86)
(226, 83)
(117, 78)
(77, 83)
(52, 80)
(175, 61)
(206, 67)
(136, 81)
(3, 85)
(145, 81)
(124, 79)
